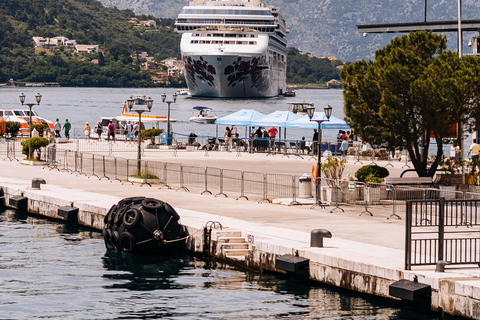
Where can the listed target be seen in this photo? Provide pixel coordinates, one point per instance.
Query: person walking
(86, 130)
(67, 126)
(57, 127)
(228, 137)
(344, 147)
(128, 131)
(474, 150)
(99, 130)
(111, 131)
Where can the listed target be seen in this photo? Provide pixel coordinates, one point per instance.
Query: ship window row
(226, 35)
(227, 11)
(223, 42)
(227, 21)
(191, 28)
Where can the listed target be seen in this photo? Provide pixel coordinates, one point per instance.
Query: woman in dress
(86, 131)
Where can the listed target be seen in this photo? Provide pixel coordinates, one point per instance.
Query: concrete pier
(365, 253)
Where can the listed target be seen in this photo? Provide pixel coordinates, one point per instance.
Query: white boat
(205, 115)
(233, 48)
(299, 108)
(23, 117)
(183, 92)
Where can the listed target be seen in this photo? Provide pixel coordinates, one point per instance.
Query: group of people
(58, 128)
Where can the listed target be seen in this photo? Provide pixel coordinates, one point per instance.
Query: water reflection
(56, 271)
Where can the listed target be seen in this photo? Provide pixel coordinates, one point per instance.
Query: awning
(275, 119)
(242, 117)
(305, 123)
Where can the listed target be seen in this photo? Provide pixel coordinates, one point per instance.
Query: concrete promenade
(362, 246)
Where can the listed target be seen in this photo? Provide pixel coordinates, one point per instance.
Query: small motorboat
(183, 92)
(289, 92)
(204, 115)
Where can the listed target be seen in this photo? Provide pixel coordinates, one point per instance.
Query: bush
(149, 133)
(34, 144)
(40, 128)
(12, 128)
(369, 173)
(332, 169)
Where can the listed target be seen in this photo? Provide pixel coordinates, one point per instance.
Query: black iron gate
(441, 229)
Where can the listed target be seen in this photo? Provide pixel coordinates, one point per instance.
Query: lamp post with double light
(169, 132)
(311, 114)
(38, 98)
(141, 102)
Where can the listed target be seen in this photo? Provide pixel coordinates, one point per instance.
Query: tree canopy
(414, 90)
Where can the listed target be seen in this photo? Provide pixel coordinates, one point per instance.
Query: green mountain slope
(328, 27)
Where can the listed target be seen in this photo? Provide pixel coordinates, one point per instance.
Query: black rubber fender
(152, 204)
(107, 237)
(114, 241)
(119, 215)
(171, 211)
(126, 242)
(131, 217)
(109, 216)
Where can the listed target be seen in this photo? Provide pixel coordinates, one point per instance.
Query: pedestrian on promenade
(87, 130)
(58, 128)
(67, 126)
(228, 137)
(344, 147)
(111, 131)
(474, 150)
(272, 133)
(315, 141)
(128, 131)
(99, 129)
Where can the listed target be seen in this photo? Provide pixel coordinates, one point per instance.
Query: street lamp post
(130, 103)
(328, 114)
(38, 97)
(164, 97)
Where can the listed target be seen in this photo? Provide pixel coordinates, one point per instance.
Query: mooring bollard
(317, 235)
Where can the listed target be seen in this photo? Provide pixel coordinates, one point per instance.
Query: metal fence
(442, 230)
(370, 197)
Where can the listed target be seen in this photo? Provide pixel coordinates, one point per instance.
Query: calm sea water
(81, 105)
(49, 270)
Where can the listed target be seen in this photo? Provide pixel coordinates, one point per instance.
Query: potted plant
(151, 134)
(372, 176)
(332, 169)
(31, 147)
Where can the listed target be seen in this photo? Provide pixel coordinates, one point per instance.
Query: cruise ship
(233, 48)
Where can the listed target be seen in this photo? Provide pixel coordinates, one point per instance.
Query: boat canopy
(242, 117)
(201, 108)
(305, 123)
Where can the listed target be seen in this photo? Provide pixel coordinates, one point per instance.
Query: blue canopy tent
(277, 118)
(305, 123)
(241, 117)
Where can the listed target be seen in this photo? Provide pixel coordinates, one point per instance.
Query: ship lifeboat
(144, 226)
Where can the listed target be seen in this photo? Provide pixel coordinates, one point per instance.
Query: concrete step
(229, 245)
(228, 234)
(236, 252)
(231, 239)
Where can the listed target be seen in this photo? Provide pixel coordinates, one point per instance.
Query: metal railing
(442, 230)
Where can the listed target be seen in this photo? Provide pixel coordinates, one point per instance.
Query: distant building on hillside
(58, 42)
(145, 23)
(174, 66)
(86, 48)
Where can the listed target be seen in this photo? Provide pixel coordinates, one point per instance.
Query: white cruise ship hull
(233, 76)
(233, 48)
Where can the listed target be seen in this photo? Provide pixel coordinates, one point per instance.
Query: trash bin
(166, 139)
(305, 186)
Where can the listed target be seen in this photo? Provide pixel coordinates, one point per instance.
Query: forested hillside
(329, 27)
(89, 22)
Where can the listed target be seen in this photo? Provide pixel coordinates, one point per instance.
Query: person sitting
(303, 146)
(191, 139)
